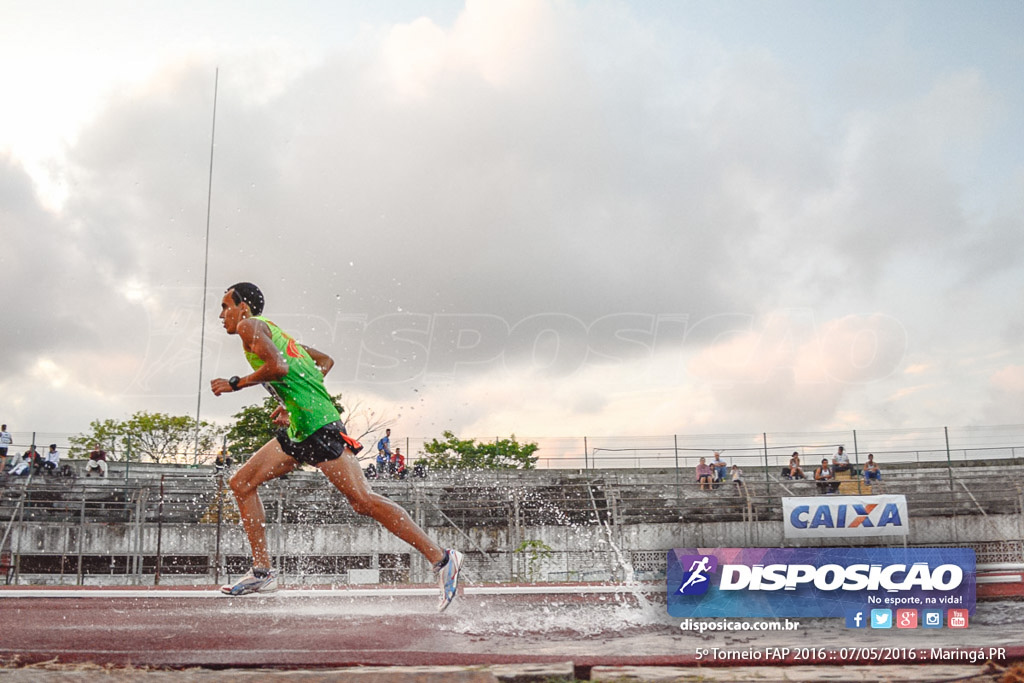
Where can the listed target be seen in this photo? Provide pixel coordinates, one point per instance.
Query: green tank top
(302, 390)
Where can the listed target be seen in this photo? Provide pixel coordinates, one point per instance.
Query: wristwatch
(234, 383)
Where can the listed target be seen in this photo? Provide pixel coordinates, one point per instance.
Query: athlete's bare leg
(347, 476)
(269, 462)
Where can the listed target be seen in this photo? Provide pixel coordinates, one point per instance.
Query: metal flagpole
(206, 266)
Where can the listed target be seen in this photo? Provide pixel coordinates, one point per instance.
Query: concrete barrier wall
(573, 553)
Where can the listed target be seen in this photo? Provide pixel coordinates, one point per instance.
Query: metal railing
(890, 446)
(679, 452)
(54, 517)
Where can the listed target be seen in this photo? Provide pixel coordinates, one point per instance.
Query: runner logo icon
(698, 567)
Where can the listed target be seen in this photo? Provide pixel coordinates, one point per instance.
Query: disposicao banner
(845, 516)
(817, 582)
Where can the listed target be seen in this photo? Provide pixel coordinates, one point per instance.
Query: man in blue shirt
(720, 467)
(384, 453)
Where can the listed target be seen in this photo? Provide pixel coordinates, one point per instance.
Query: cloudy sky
(546, 217)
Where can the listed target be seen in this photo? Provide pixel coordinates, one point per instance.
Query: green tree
(104, 434)
(252, 428)
(157, 437)
(534, 554)
(501, 454)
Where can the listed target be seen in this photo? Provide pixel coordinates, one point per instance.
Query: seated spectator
(399, 464)
(719, 467)
(33, 457)
(97, 462)
(795, 471)
(48, 464)
(737, 479)
(222, 462)
(825, 477)
(841, 461)
(704, 474)
(871, 470)
(22, 467)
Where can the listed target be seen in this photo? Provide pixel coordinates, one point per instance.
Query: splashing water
(555, 617)
(601, 625)
(630, 585)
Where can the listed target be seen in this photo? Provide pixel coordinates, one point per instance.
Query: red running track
(174, 628)
(304, 628)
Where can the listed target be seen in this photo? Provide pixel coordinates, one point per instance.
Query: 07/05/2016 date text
(850, 654)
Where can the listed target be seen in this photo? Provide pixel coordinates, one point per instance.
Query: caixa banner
(816, 582)
(845, 516)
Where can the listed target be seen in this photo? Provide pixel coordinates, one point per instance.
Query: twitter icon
(881, 618)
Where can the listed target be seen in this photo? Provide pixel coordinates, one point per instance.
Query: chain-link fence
(773, 449)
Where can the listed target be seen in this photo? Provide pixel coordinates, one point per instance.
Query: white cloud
(823, 257)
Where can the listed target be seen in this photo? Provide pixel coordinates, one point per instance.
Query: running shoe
(250, 583)
(448, 578)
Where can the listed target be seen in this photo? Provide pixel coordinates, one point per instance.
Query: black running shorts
(327, 443)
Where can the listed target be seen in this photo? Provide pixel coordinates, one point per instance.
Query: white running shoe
(448, 579)
(250, 583)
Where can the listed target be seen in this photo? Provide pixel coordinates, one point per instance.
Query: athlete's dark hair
(248, 293)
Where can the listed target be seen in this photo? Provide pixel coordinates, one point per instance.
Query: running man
(315, 435)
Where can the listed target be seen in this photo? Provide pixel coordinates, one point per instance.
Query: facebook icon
(856, 619)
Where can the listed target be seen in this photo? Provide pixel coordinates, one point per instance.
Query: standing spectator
(841, 461)
(97, 461)
(871, 470)
(48, 463)
(825, 478)
(5, 443)
(720, 467)
(704, 474)
(383, 456)
(384, 448)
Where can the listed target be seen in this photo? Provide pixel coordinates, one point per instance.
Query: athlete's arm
(280, 417)
(322, 360)
(256, 338)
